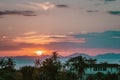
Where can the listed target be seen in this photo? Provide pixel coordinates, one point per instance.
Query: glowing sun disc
(39, 53)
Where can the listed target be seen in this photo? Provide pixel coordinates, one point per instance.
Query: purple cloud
(17, 12)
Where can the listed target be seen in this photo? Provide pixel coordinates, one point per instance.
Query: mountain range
(99, 56)
(29, 60)
(106, 56)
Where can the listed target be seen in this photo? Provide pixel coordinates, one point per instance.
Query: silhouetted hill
(74, 55)
(99, 56)
(64, 58)
(79, 54)
(108, 56)
(29, 60)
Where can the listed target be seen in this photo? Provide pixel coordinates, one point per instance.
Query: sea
(21, 63)
(24, 62)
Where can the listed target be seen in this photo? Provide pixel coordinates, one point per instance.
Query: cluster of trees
(7, 68)
(50, 69)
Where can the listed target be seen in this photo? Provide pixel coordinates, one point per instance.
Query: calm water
(22, 62)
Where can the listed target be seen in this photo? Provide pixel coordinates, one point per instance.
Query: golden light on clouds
(30, 33)
(34, 39)
(46, 39)
(47, 5)
(38, 6)
(4, 37)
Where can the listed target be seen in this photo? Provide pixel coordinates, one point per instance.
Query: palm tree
(7, 63)
(55, 59)
(7, 68)
(77, 65)
(50, 67)
(10, 63)
(2, 63)
(37, 63)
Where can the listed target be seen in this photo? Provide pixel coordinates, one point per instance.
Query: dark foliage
(51, 69)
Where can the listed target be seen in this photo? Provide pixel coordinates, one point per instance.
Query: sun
(39, 53)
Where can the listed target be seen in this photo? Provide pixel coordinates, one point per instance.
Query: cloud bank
(109, 0)
(62, 6)
(108, 39)
(43, 6)
(114, 12)
(103, 40)
(17, 12)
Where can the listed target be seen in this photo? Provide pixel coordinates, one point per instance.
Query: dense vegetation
(50, 69)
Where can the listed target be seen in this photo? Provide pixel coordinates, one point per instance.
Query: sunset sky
(66, 26)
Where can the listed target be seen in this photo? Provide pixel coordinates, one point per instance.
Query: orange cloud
(39, 6)
(30, 33)
(32, 37)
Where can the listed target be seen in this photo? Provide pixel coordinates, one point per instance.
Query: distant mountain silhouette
(29, 60)
(108, 56)
(100, 56)
(79, 54)
(63, 59)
